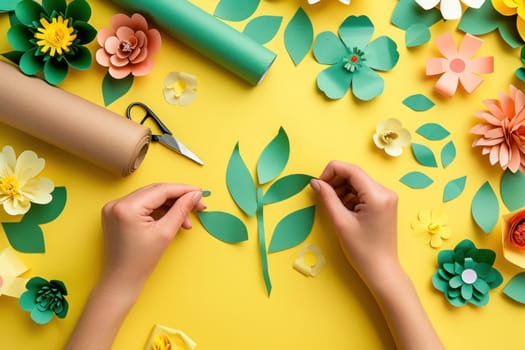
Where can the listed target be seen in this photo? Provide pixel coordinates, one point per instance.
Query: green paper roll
(208, 35)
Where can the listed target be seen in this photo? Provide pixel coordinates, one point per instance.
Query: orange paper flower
(502, 135)
(513, 237)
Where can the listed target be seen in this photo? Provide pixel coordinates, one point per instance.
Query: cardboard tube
(71, 123)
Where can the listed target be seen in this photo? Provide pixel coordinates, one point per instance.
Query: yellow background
(214, 291)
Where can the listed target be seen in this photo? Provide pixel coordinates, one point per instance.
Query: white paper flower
(391, 137)
(346, 2)
(18, 185)
(450, 9)
(180, 88)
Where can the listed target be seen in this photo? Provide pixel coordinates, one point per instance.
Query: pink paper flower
(128, 47)
(457, 65)
(502, 135)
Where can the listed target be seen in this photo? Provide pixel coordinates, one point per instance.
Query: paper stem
(262, 241)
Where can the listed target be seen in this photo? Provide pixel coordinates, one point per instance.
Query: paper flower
(18, 185)
(44, 298)
(391, 137)
(513, 237)
(180, 88)
(10, 268)
(450, 9)
(346, 2)
(309, 267)
(353, 60)
(465, 274)
(502, 134)
(50, 38)
(511, 8)
(435, 223)
(457, 66)
(164, 338)
(128, 47)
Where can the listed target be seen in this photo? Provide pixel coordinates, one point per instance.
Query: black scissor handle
(149, 114)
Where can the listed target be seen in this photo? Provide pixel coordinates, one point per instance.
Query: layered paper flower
(435, 223)
(450, 9)
(391, 137)
(18, 185)
(511, 8)
(10, 268)
(502, 133)
(44, 298)
(50, 38)
(128, 47)
(457, 66)
(513, 237)
(353, 60)
(180, 88)
(164, 338)
(465, 274)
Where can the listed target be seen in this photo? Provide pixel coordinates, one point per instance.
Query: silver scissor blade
(170, 142)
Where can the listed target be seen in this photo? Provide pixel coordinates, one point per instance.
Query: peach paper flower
(128, 47)
(502, 135)
(457, 65)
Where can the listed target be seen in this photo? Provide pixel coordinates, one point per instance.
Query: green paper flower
(44, 298)
(465, 274)
(353, 60)
(50, 38)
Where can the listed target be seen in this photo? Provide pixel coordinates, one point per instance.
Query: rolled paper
(208, 35)
(71, 123)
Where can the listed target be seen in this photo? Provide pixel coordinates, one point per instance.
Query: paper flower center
(55, 37)
(469, 276)
(354, 61)
(433, 229)
(125, 46)
(457, 65)
(178, 88)
(9, 185)
(161, 342)
(518, 235)
(388, 136)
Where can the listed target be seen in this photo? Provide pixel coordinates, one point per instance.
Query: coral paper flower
(511, 8)
(502, 135)
(513, 237)
(450, 9)
(435, 223)
(180, 88)
(44, 298)
(391, 136)
(18, 185)
(457, 66)
(128, 47)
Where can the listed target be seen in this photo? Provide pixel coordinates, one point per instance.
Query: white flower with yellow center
(18, 185)
(180, 88)
(391, 137)
(55, 37)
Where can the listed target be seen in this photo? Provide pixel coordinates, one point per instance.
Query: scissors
(167, 138)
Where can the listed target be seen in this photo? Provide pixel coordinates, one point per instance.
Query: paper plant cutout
(512, 8)
(432, 131)
(44, 298)
(454, 188)
(434, 223)
(8, 5)
(515, 289)
(520, 72)
(466, 275)
(416, 180)
(502, 133)
(233, 10)
(353, 60)
(309, 266)
(26, 236)
(424, 155)
(51, 37)
(391, 137)
(485, 208)
(417, 35)
(418, 103)
(457, 67)
(513, 237)
(10, 268)
(293, 229)
(262, 29)
(512, 190)
(450, 9)
(164, 338)
(298, 36)
(412, 18)
(346, 2)
(180, 88)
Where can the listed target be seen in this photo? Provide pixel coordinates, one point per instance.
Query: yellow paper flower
(10, 268)
(180, 88)
(435, 223)
(57, 36)
(310, 260)
(392, 137)
(18, 185)
(164, 338)
(511, 8)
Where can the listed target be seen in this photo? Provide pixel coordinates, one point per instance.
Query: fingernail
(314, 184)
(206, 193)
(196, 197)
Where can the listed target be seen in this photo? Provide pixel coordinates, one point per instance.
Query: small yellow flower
(391, 136)
(435, 223)
(180, 88)
(57, 36)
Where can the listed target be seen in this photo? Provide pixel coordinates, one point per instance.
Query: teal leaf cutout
(432, 131)
(416, 179)
(113, 89)
(448, 154)
(408, 13)
(240, 183)
(44, 213)
(512, 190)
(485, 208)
(25, 237)
(418, 102)
(234, 10)
(8, 5)
(424, 155)
(298, 36)
(515, 289)
(223, 226)
(286, 187)
(417, 34)
(274, 158)
(262, 29)
(454, 188)
(292, 229)
(13, 20)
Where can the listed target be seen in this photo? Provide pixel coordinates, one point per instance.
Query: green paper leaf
(512, 189)
(262, 29)
(424, 155)
(54, 5)
(448, 154)
(113, 89)
(79, 10)
(19, 37)
(432, 131)
(13, 21)
(44, 213)
(28, 11)
(515, 289)
(14, 56)
(485, 208)
(240, 183)
(520, 73)
(292, 229)
(8, 5)
(417, 34)
(298, 36)
(30, 64)
(233, 10)
(81, 60)
(454, 188)
(418, 103)
(223, 226)
(274, 158)
(55, 71)
(85, 32)
(286, 187)
(26, 237)
(416, 179)
(408, 12)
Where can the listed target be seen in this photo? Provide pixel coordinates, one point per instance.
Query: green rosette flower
(44, 298)
(465, 274)
(50, 38)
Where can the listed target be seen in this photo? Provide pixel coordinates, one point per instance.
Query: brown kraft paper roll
(71, 123)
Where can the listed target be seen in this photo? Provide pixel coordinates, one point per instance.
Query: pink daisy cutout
(457, 66)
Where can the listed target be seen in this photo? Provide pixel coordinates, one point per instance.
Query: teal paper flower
(353, 60)
(44, 298)
(465, 274)
(50, 38)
